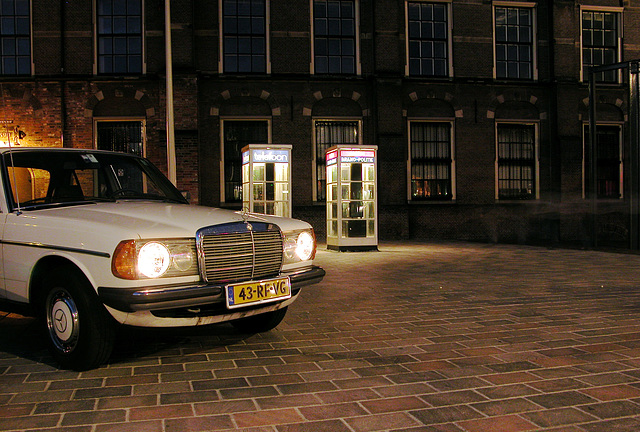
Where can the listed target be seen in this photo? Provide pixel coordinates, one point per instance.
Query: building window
(244, 30)
(608, 162)
(15, 30)
(334, 37)
(431, 161)
(119, 36)
(327, 134)
(237, 134)
(514, 36)
(428, 39)
(517, 162)
(120, 136)
(600, 44)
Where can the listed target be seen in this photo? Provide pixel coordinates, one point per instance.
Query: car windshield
(50, 178)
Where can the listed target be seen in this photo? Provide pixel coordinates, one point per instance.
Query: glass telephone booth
(266, 179)
(352, 213)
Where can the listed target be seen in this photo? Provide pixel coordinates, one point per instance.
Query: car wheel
(260, 323)
(79, 330)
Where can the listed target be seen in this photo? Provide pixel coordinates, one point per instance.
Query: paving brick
(188, 397)
(381, 422)
(404, 403)
(29, 422)
(558, 417)
(614, 409)
(608, 393)
(275, 402)
(443, 398)
(448, 414)
(141, 426)
(199, 424)
(64, 406)
(267, 417)
(347, 395)
(127, 401)
(224, 407)
(93, 417)
(318, 426)
(160, 412)
(508, 423)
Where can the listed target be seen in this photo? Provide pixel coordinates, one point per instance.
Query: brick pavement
(445, 337)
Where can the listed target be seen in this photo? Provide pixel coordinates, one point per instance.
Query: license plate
(250, 293)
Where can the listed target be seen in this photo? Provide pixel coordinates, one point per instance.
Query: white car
(92, 238)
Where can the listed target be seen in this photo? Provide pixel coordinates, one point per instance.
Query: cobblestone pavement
(413, 337)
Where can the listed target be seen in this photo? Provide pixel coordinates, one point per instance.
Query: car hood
(102, 225)
(150, 218)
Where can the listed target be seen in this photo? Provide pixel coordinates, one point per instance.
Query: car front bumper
(185, 296)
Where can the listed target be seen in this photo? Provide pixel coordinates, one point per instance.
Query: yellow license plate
(245, 294)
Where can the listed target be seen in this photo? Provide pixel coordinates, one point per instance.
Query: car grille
(239, 251)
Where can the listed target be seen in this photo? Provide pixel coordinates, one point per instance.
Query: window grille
(431, 161)
(608, 162)
(15, 44)
(428, 39)
(514, 42)
(119, 36)
(516, 162)
(120, 136)
(600, 44)
(334, 26)
(244, 36)
(328, 134)
(237, 134)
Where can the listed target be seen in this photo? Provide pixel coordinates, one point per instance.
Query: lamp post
(171, 145)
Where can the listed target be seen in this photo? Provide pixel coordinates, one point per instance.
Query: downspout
(171, 145)
(555, 151)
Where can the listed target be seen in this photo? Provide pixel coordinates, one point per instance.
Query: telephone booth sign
(352, 210)
(266, 179)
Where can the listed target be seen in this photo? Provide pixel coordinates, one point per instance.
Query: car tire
(79, 331)
(260, 323)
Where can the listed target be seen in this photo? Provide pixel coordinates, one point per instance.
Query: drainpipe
(171, 145)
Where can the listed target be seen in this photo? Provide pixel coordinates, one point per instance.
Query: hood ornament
(245, 218)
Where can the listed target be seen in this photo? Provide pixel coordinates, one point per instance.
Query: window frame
(536, 160)
(143, 131)
(452, 166)
(15, 36)
(223, 120)
(586, 186)
(96, 37)
(534, 38)
(314, 164)
(618, 11)
(357, 58)
(267, 38)
(449, 40)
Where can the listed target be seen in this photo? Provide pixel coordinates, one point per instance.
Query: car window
(53, 178)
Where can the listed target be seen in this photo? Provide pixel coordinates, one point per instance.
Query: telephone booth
(352, 210)
(266, 179)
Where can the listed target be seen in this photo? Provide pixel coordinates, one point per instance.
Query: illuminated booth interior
(352, 213)
(266, 179)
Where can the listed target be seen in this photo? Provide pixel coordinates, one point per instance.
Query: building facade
(479, 108)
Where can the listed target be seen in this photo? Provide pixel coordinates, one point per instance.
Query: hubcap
(62, 320)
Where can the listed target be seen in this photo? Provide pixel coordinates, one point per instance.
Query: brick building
(479, 108)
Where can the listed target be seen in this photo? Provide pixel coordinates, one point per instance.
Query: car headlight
(299, 246)
(151, 259)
